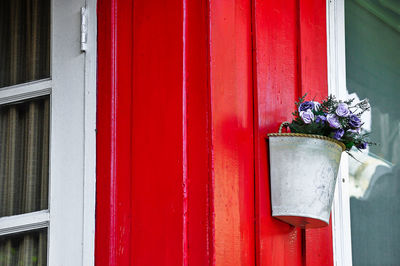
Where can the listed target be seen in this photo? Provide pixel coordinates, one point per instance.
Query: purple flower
(306, 106)
(342, 110)
(307, 116)
(362, 145)
(333, 121)
(320, 119)
(339, 134)
(354, 121)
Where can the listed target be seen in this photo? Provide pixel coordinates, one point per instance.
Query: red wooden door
(187, 92)
(289, 60)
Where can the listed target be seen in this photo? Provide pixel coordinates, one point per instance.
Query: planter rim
(308, 136)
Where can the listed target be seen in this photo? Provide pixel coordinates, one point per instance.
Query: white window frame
(341, 229)
(70, 219)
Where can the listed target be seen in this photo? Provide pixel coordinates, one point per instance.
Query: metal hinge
(84, 29)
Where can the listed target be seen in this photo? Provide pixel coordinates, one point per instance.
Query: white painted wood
(24, 222)
(89, 189)
(337, 86)
(72, 181)
(25, 91)
(71, 215)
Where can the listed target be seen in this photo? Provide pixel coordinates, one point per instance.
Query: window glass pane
(24, 41)
(24, 249)
(24, 156)
(373, 71)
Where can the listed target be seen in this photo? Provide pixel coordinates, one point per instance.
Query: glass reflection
(373, 71)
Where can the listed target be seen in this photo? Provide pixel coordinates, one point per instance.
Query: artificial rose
(317, 106)
(307, 116)
(339, 134)
(306, 106)
(362, 145)
(320, 119)
(342, 110)
(333, 121)
(354, 121)
(353, 131)
(340, 120)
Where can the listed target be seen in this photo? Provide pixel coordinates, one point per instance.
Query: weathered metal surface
(303, 178)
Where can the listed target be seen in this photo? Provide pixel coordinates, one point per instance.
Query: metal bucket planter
(303, 172)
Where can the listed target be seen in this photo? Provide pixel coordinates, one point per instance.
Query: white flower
(317, 106)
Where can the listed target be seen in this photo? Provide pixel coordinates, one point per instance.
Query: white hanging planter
(303, 173)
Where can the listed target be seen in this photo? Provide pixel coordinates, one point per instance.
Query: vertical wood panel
(313, 43)
(277, 87)
(158, 166)
(319, 244)
(176, 154)
(200, 226)
(232, 131)
(113, 208)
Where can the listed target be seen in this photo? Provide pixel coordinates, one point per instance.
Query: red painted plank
(319, 245)
(158, 135)
(200, 226)
(191, 179)
(276, 88)
(313, 38)
(113, 209)
(232, 131)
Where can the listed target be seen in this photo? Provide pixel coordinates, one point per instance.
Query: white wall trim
(89, 186)
(337, 86)
(73, 136)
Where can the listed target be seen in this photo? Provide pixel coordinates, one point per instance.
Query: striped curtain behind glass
(24, 127)
(24, 41)
(24, 174)
(14, 252)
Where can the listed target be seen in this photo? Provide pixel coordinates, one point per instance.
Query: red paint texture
(313, 41)
(158, 228)
(232, 131)
(113, 210)
(199, 146)
(289, 60)
(184, 105)
(176, 89)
